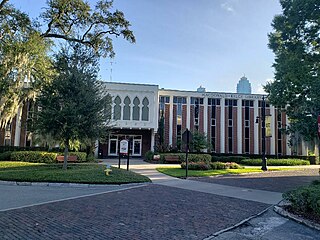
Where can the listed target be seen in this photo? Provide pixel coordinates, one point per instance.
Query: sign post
(186, 138)
(123, 146)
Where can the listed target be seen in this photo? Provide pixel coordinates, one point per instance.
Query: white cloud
(227, 7)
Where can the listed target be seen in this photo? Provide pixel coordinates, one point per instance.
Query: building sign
(124, 145)
(232, 95)
(268, 126)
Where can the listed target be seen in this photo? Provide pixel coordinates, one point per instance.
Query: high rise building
(244, 86)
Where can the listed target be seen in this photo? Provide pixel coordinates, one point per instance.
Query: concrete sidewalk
(149, 170)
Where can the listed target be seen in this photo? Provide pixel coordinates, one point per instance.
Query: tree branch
(3, 2)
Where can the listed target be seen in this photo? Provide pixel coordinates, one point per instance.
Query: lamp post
(263, 125)
(263, 133)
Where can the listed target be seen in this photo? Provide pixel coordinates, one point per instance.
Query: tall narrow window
(179, 101)
(117, 108)
(213, 102)
(145, 109)
(126, 109)
(7, 136)
(136, 109)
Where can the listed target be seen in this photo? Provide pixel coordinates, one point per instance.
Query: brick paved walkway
(150, 212)
(280, 181)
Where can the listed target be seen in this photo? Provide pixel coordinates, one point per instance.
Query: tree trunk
(65, 160)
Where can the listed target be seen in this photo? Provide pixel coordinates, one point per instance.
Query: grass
(179, 172)
(76, 173)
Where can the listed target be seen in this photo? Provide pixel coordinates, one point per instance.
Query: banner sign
(268, 126)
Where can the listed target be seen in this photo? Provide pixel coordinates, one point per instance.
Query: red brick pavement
(151, 212)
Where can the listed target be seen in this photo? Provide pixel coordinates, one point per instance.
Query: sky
(182, 44)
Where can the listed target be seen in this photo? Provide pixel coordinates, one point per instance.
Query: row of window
(135, 113)
(211, 101)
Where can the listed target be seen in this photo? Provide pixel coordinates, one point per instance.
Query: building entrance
(135, 144)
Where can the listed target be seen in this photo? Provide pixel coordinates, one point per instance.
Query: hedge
(81, 156)
(5, 156)
(193, 157)
(236, 159)
(210, 166)
(275, 162)
(305, 199)
(33, 156)
(196, 166)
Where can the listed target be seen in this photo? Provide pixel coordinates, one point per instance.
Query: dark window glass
(279, 146)
(230, 132)
(246, 132)
(230, 145)
(247, 145)
(246, 113)
(230, 112)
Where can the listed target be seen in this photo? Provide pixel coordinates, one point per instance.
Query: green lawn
(76, 173)
(179, 172)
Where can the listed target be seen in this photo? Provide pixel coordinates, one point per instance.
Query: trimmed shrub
(149, 155)
(275, 162)
(196, 166)
(218, 165)
(33, 156)
(305, 199)
(236, 159)
(81, 156)
(233, 165)
(5, 156)
(206, 158)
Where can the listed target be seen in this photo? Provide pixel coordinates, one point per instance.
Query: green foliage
(26, 44)
(199, 142)
(295, 43)
(305, 200)
(218, 165)
(149, 155)
(81, 156)
(5, 156)
(196, 157)
(236, 159)
(275, 162)
(196, 166)
(74, 107)
(77, 173)
(34, 156)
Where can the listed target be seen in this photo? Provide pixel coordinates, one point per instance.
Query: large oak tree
(295, 42)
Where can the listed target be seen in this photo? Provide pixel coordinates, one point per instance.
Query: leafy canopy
(26, 64)
(295, 42)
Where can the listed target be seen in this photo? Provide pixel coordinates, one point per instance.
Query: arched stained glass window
(126, 109)
(145, 109)
(117, 108)
(136, 109)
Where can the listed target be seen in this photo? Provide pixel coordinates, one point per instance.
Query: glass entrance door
(136, 151)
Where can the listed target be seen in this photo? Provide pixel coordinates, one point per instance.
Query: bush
(81, 156)
(233, 165)
(196, 166)
(5, 156)
(305, 199)
(149, 155)
(236, 159)
(91, 158)
(218, 165)
(275, 162)
(206, 158)
(33, 156)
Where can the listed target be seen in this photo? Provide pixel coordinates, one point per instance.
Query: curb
(296, 218)
(237, 225)
(77, 185)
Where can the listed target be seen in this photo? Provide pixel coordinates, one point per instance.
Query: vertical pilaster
(170, 120)
(205, 120)
(18, 128)
(288, 147)
(222, 125)
(240, 124)
(273, 131)
(188, 113)
(256, 126)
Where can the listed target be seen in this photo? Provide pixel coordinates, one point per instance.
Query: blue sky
(182, 44)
